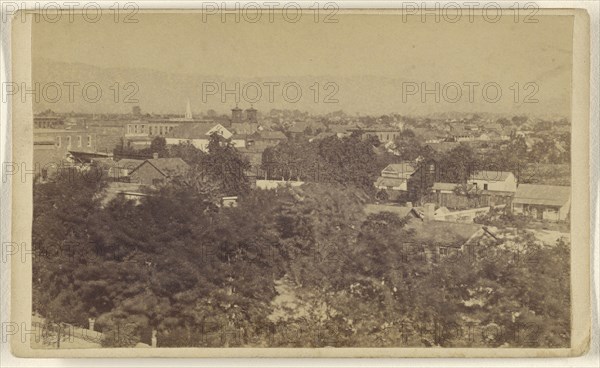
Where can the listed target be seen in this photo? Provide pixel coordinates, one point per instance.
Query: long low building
(543, 202)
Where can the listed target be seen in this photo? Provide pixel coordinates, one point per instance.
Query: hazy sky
(357, 47)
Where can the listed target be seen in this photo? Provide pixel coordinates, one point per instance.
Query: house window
(485, 187)
(444, 251)
(157, 181)
(58, 141)
(69, 141)
(79, 141)
(89, 140)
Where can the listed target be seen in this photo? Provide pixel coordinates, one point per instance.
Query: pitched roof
(191, 130)
(402, 167)
(550, 195)
(338, 128)
(389, 182)
(244, 128)
(127, 163)
(490, 175)
(166, 166)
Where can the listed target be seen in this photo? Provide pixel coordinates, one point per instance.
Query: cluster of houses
(61, 142)
(482, 190)
(57, 139)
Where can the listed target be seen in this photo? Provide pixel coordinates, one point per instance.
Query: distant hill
(161, 92)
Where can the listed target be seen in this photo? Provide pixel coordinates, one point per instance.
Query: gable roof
(193, 130)
(402, 167)
(389, 182)
(166, 166)
(127, 163)
(550, 195)
(244, 128)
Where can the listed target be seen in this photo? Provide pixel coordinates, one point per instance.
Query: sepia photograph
(297, 181)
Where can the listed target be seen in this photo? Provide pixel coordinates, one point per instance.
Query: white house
(495, 181)
(395, 177)
(197, 133)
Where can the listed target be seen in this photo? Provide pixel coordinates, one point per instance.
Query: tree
(159, 145)
(292, 160)
(204, 275)
(63, 207)
(187, 152)
(410, 147)
(458, 164)
(348, 161)
(226, 166)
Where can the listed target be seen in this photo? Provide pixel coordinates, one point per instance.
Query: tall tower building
(236, 115)
(251, 115)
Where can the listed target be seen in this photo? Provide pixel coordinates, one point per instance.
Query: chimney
(155, 155)
(91, 322)
(429, 211)
(154, 340)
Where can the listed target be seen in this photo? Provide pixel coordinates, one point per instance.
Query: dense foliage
(300, 266)
(348, 161)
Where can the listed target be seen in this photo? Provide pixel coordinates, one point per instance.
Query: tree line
(200, 274)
